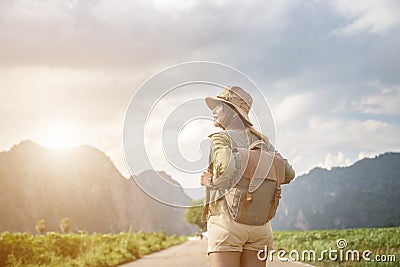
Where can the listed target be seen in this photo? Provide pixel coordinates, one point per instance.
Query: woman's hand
(206, 179)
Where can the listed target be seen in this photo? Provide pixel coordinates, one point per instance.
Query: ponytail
(259, 135)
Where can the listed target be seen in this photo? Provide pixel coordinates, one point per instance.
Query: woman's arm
(222, 163)
(289, 172)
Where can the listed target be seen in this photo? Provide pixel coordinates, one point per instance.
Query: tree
(64, 225)
(41, 227)
(194, 213)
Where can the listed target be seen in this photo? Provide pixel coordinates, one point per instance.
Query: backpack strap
(256, 143)
(275, 201)
(206, 207)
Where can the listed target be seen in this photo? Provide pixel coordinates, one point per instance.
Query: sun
(60, 140)
(59, 136)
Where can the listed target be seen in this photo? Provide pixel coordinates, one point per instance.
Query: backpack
(254, 194)
(254, 198)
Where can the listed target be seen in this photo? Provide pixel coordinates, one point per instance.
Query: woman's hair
(248, 126)
(258, 134)
(234, 113)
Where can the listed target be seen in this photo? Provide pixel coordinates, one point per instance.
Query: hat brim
(212, 102)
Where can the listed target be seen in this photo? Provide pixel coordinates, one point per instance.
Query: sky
(329, 71)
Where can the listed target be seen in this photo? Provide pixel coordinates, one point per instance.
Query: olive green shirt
(223, 161)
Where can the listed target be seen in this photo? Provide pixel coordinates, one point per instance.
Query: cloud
(366, 154)
(385, 102)
(332, 160)
(375, 17)
(294, 106)
(79, 62)
(38, 102)
(318, 136)
(336, 133)
(326, 137)
(129, 33)
(340, 160)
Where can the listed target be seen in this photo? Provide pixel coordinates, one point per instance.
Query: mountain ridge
(80, 183)
(364, 194)
(42, 183)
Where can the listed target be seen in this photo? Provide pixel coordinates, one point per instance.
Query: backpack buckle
(248, 196)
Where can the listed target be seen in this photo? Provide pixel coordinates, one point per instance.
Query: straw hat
(236, 97)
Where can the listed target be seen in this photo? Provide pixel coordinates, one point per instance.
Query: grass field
(54, 249)
(382, 242)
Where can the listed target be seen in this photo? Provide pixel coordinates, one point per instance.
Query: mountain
(366, 194)
(84, 185)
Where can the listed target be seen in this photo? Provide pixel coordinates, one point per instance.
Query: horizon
(68, 149)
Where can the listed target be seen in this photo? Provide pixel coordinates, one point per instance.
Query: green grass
(380, 241)
(54, 249)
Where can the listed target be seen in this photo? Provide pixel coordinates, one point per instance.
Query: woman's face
(222, 115)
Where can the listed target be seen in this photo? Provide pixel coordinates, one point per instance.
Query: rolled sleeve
(289, 172)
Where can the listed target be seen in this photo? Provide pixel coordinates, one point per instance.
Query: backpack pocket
(261, 205)
(233, 201)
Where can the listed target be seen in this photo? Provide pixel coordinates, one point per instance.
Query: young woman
(230, 243)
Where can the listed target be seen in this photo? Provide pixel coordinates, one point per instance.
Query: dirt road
(191, 253)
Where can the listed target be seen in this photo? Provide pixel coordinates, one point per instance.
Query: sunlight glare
(60, 136)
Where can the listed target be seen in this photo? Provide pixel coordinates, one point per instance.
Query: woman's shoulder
(221, 136)
(227, 137)
(228, 133)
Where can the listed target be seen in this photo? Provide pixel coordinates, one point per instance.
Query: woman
(230, 243)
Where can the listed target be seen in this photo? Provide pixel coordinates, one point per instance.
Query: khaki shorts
(224, 234)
